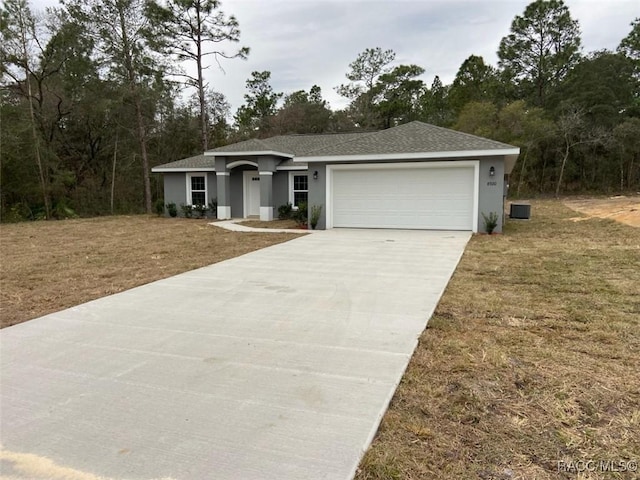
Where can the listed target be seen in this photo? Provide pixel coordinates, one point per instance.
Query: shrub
(300, 215)
(316, 211)
(172, 209)
(187, 210)
(61, 210)
(490, 222)
(159, 207)
(201, 210)
(285, 211)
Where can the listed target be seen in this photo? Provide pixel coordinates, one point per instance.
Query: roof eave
(182, 169)
(412, 156)
(254, 153)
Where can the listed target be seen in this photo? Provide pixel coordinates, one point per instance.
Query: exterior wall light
(315, 174)
(492, 172)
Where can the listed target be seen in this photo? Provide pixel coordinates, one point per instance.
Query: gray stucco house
(414, 176)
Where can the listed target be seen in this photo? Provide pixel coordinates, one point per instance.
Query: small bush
(285, 211)
(172, 209)
(61, 210)
(490, 222)
(301, 215)
(201, 210)
(187, 210)
(159, 207)
(316, 211)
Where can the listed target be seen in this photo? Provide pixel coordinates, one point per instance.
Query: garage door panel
(430, 198)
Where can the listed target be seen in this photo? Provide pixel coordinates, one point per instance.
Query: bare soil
(625, 209)
(531, 359)
(49, 266)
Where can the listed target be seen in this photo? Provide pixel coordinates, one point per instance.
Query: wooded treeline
(95, 92)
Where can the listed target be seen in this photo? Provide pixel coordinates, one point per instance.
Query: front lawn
(49, 266)
(532, 358)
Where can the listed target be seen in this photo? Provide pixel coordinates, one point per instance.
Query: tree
(627, 136)
(396, 95)
(478, 118)
(434, 104)
(187, 27)
(542, 47)
(474, 82)
(261, 103)
(18, 29)
(573, 130)
(630, 45)
(527, 127)
(122, 37)
(303, 112)
(363, 74)
(603, 86)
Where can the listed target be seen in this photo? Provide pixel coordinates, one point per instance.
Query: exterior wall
(212, 189)
(280, 189)
(318, 191)
(490, 189)
(175, 188)
(236, 191)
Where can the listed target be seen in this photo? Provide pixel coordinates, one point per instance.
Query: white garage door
(439, 198)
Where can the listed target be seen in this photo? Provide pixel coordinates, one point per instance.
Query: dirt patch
(49, 266)
(529, 363)
(624, 209)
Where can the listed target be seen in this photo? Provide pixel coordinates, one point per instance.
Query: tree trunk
(113, 171)
(135, 93)
(524, 162)
(203, 111)
(564, 162)
(32, 116)
(143, 151)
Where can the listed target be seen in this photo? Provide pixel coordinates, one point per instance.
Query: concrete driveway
(275, 365)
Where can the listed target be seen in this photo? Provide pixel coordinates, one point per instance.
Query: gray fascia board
(247, 154)
(410, 156)
(182, 169)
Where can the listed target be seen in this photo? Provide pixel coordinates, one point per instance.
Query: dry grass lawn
(49, 266)
(272, 224)
(532, 357)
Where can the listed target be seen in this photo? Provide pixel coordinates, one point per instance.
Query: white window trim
(206, 185)
(475, 164)
(291, 175)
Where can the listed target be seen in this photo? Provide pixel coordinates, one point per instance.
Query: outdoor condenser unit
(520, 211)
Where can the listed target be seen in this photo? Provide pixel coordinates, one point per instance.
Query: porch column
(223, 184)
(266, 168)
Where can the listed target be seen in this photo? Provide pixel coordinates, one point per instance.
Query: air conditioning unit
(521, 211)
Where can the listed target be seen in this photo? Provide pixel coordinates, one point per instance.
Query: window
(299, 190)
(197, 189)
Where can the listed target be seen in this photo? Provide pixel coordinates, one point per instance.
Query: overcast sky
(307, 42)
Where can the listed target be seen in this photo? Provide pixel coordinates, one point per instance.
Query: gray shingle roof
(290, 144)
(414, 137)
(199, 161)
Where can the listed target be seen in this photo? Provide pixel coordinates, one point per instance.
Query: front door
(251, 197)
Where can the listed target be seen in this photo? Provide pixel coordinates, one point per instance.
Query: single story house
(413, 176)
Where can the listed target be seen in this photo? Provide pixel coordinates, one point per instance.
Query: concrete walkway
(275, 365)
